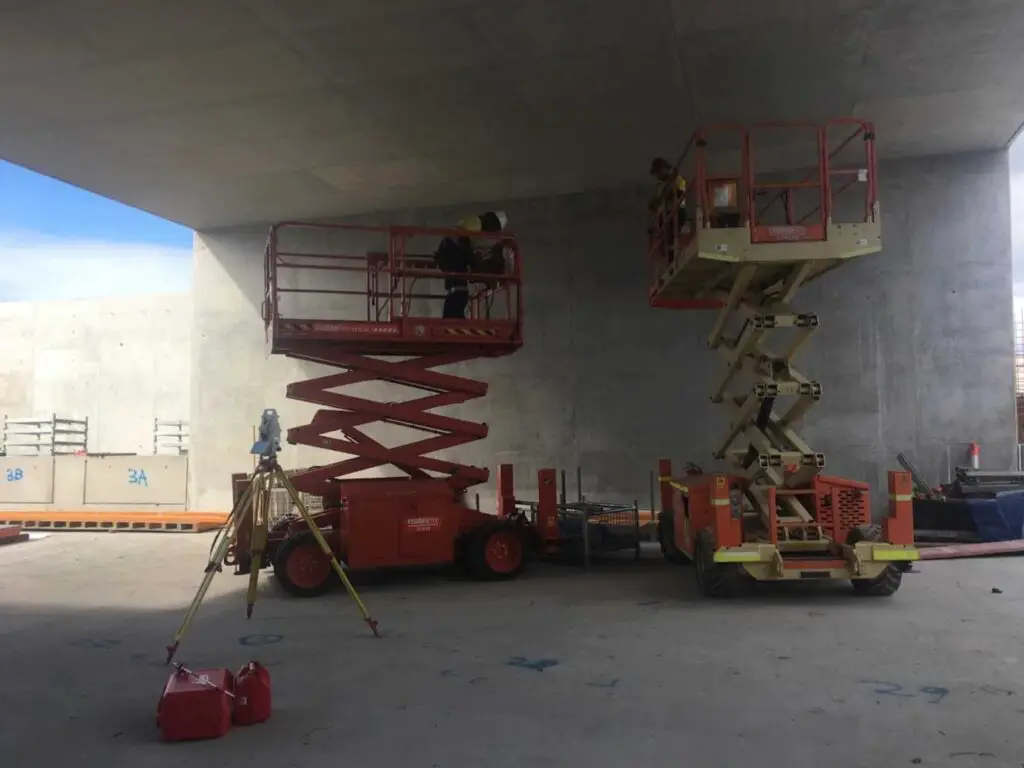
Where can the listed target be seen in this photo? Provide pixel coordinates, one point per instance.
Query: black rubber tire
(715, 580)
(476, 557)
(287, 549)
(885, 584)
(666, 540)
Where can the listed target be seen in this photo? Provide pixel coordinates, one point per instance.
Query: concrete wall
(914, 354)
(120, 362)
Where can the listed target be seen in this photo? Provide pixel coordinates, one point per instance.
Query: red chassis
(402, 522)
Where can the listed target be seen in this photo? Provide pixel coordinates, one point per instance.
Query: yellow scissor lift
(744, 243)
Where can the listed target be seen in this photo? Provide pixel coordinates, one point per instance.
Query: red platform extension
(195, 705)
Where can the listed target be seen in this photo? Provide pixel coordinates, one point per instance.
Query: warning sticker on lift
(423, 524)
(795, 232)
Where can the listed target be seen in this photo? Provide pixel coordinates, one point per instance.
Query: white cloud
(35, 267)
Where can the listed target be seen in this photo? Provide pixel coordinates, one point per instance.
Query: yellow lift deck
(744, 242)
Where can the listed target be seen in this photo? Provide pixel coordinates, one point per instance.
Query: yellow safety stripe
(901, 496)
(674, 484)
(720, 502)
(725, 556)
(680, 183)
(470, 331)
(886, 555)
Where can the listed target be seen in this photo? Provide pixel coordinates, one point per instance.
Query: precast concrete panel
(26, 479)
(136, 480)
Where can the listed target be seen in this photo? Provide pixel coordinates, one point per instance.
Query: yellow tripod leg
(235, 519)
(258, 542)
(286, 483)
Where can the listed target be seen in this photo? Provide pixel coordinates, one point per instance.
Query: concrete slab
(222, 112)
(621, 666)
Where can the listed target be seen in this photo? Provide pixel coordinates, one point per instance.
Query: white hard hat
(502, 218)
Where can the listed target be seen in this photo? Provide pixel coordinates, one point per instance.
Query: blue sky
(67, 243)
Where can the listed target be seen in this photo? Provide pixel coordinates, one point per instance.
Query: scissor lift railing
(743, 247)
(367, 300)
(377, 290)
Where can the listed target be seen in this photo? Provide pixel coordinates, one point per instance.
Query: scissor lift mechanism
(774, 514)
(366, 300)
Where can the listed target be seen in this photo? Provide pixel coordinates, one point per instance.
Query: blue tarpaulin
(1000, 518)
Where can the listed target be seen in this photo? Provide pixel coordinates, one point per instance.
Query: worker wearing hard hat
(664, 177)
(491, 221)
(667, 182)
(456, 255)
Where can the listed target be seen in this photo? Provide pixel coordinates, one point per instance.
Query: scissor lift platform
(744, 244)
(367, 301)
(302, 338)
(712, 261)
(700, 255)
(376, 291)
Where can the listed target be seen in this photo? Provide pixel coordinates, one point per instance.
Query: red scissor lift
(743, 239)
(367, 300)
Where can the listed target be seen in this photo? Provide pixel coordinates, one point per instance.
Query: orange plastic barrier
(176, 522)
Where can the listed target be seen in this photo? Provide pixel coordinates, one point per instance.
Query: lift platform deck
(748, 237)
(744, 241)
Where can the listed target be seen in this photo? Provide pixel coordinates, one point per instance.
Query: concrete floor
(639, 671)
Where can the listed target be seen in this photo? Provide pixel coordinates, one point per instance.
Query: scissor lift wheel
(716, 579)
(890, 579)
(495, 551)
(301, 567)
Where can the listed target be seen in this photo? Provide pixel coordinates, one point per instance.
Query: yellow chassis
(864, 560)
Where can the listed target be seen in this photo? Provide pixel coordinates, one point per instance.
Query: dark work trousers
(455, 256)
(456, 298)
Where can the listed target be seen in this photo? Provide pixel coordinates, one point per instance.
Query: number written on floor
(13, 475)
(933, 693)
(138, 477)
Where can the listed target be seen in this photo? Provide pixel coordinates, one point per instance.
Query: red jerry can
(195, 704)
(252, 694)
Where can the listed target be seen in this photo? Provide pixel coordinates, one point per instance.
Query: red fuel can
(252, 694)
(195, 704)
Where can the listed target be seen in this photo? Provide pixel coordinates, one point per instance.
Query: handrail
(663, 223)
(392, 272)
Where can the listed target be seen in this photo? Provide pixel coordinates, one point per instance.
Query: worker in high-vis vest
(667, 181)
(456, 255)
(664, 176)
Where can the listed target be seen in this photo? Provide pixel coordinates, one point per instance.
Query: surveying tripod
(256, 501)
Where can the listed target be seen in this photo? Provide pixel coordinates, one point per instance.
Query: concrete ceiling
(212, 112)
